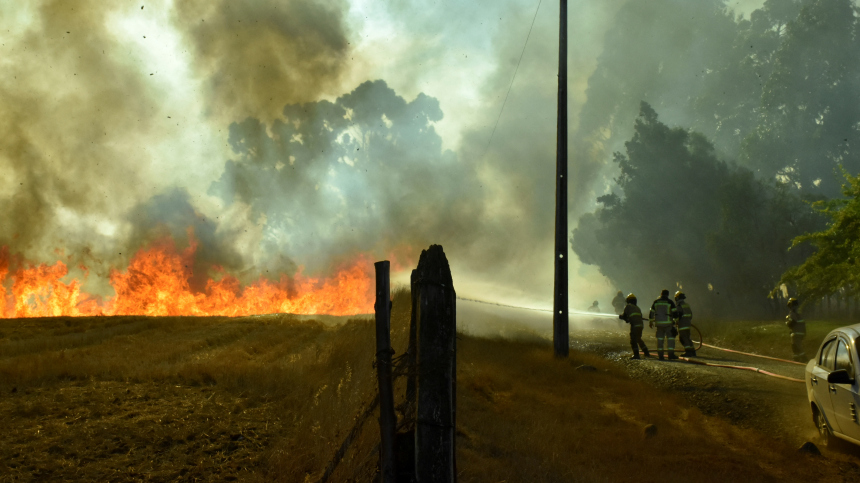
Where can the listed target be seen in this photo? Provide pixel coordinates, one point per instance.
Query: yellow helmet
(680, 295)
(792, 301)
(631, 297)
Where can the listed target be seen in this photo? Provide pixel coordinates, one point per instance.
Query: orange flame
(156, 283)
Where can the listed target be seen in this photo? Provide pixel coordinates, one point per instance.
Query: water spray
(571, 312)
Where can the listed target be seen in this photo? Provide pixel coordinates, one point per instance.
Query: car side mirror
(840, 377)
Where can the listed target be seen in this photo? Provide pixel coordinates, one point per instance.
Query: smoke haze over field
(302, 133)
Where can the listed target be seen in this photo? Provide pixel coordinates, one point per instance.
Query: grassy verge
(525, 416)
(766, 338)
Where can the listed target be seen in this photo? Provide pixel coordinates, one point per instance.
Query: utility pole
(560, 319)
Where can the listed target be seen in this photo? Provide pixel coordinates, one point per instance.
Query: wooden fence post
(387, 419)
(434, 432)
(412, 349)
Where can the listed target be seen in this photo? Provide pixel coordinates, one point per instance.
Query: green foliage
(833, 266)
(681, 217)
(808, 120)
(694, 61)
(774, 91)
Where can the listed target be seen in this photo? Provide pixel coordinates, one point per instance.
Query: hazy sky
(107, 105)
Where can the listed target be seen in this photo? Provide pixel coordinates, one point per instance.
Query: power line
(512, 80)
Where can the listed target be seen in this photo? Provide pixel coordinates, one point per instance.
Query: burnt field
(273, 398)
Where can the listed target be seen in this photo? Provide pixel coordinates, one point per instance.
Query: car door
(820, 388)
(844, 396)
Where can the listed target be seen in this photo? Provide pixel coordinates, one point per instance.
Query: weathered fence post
(434, 432)
(412, 349)
(387, 419)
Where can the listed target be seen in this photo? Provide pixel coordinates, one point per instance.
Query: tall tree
(695, 62)
(809, 121)
(680, 217)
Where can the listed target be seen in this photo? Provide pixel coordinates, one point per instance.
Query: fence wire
(400, 367)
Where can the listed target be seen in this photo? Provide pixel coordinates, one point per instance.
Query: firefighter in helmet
(661, 314)
(619, 302)
(798, 329)
(633, 316)
(684, 320)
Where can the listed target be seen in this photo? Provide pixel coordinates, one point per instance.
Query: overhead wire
(512, 79)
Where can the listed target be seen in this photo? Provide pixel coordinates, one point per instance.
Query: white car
(832, 384)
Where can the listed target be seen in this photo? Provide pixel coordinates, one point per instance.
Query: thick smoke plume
(73, 112)
(366, 173)
(87, 114)
(319, 145)
(257, 56)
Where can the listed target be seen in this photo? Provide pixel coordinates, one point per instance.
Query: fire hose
(743, 368)
(753, 355)
(699, 343)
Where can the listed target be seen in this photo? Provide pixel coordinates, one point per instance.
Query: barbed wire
(400, 366)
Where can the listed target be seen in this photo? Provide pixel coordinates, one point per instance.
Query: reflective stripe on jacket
(633, 315)
(662, 311)
(685, 315)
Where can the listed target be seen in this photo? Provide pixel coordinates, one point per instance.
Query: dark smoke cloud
(257, 56)
(71, 108)
(83, 118)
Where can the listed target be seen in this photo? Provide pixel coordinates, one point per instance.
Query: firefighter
(798, 329)
(661, 314)
(684, 320)
(633, 316)
(619, 302)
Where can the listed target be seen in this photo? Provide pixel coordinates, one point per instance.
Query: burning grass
(157, 282)
(272, 398)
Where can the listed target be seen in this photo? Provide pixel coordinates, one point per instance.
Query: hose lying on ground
(744, 368)
(753, 355)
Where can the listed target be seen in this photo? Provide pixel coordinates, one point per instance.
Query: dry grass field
(272, 398)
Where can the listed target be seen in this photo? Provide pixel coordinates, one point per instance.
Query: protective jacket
(618, 303)
(795, 322)
(684, 314)
(632, 315)
(662, 311)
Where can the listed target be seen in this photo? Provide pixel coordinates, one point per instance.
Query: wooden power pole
(560, 319)
(387, 418)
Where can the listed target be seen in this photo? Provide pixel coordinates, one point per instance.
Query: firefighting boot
(645, 351)
(635, 353)
(690, 353)
(660, 355)
(672, 356)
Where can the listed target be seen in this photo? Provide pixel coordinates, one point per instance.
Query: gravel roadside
(774, 406)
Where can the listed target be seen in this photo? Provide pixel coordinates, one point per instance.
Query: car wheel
(823, 429)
